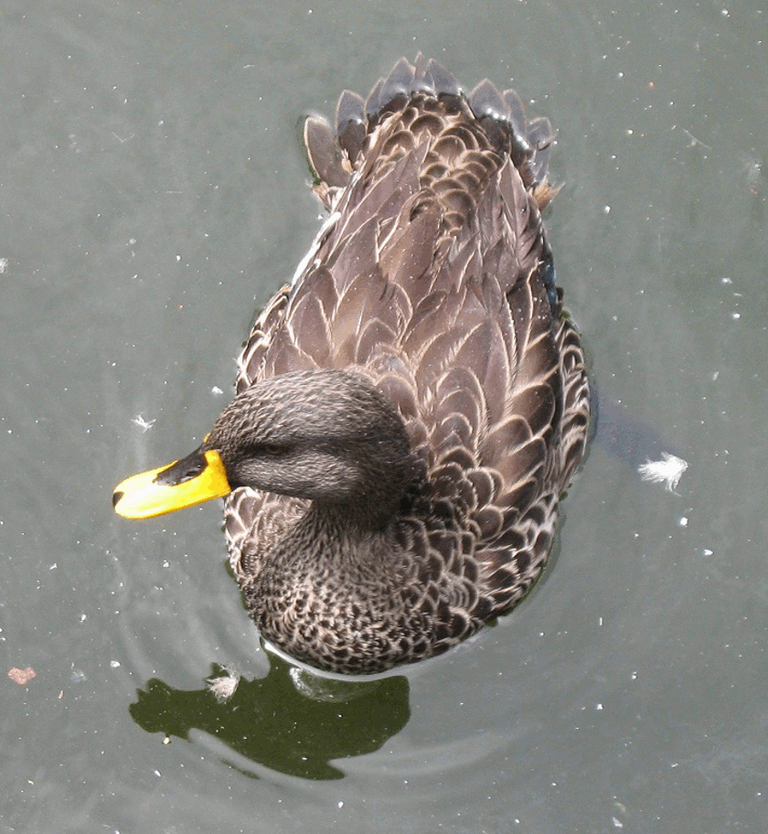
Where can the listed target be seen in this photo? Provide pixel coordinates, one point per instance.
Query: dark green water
(153, 194)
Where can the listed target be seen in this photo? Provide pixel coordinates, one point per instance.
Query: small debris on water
(22, 676)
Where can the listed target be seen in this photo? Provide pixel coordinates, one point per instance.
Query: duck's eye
(261, 450)
(272, 449)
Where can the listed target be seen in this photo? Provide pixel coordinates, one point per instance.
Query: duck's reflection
(291, 721)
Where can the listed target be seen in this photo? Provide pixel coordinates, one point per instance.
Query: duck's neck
(342, 533)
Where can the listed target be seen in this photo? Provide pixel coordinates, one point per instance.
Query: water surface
(153, 195)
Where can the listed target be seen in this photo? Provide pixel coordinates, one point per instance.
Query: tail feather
(501, 115)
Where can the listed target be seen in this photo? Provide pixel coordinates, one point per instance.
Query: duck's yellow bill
(191, 480)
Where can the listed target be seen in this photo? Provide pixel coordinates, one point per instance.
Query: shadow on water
(292, 721)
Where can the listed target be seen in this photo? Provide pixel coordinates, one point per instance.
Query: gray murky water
(153, 194)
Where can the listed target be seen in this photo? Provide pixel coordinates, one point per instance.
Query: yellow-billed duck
(411, 407)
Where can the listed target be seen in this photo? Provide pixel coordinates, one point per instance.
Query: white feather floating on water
(667, 471)
(144, 425)
(224, 686)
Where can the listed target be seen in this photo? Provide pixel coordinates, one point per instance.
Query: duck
(411, 406)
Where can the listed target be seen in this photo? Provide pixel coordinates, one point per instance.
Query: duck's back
(433, 278)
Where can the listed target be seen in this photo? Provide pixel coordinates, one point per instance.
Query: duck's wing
(416, 217)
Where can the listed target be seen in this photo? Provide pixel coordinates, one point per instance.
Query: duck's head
(328, 436)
